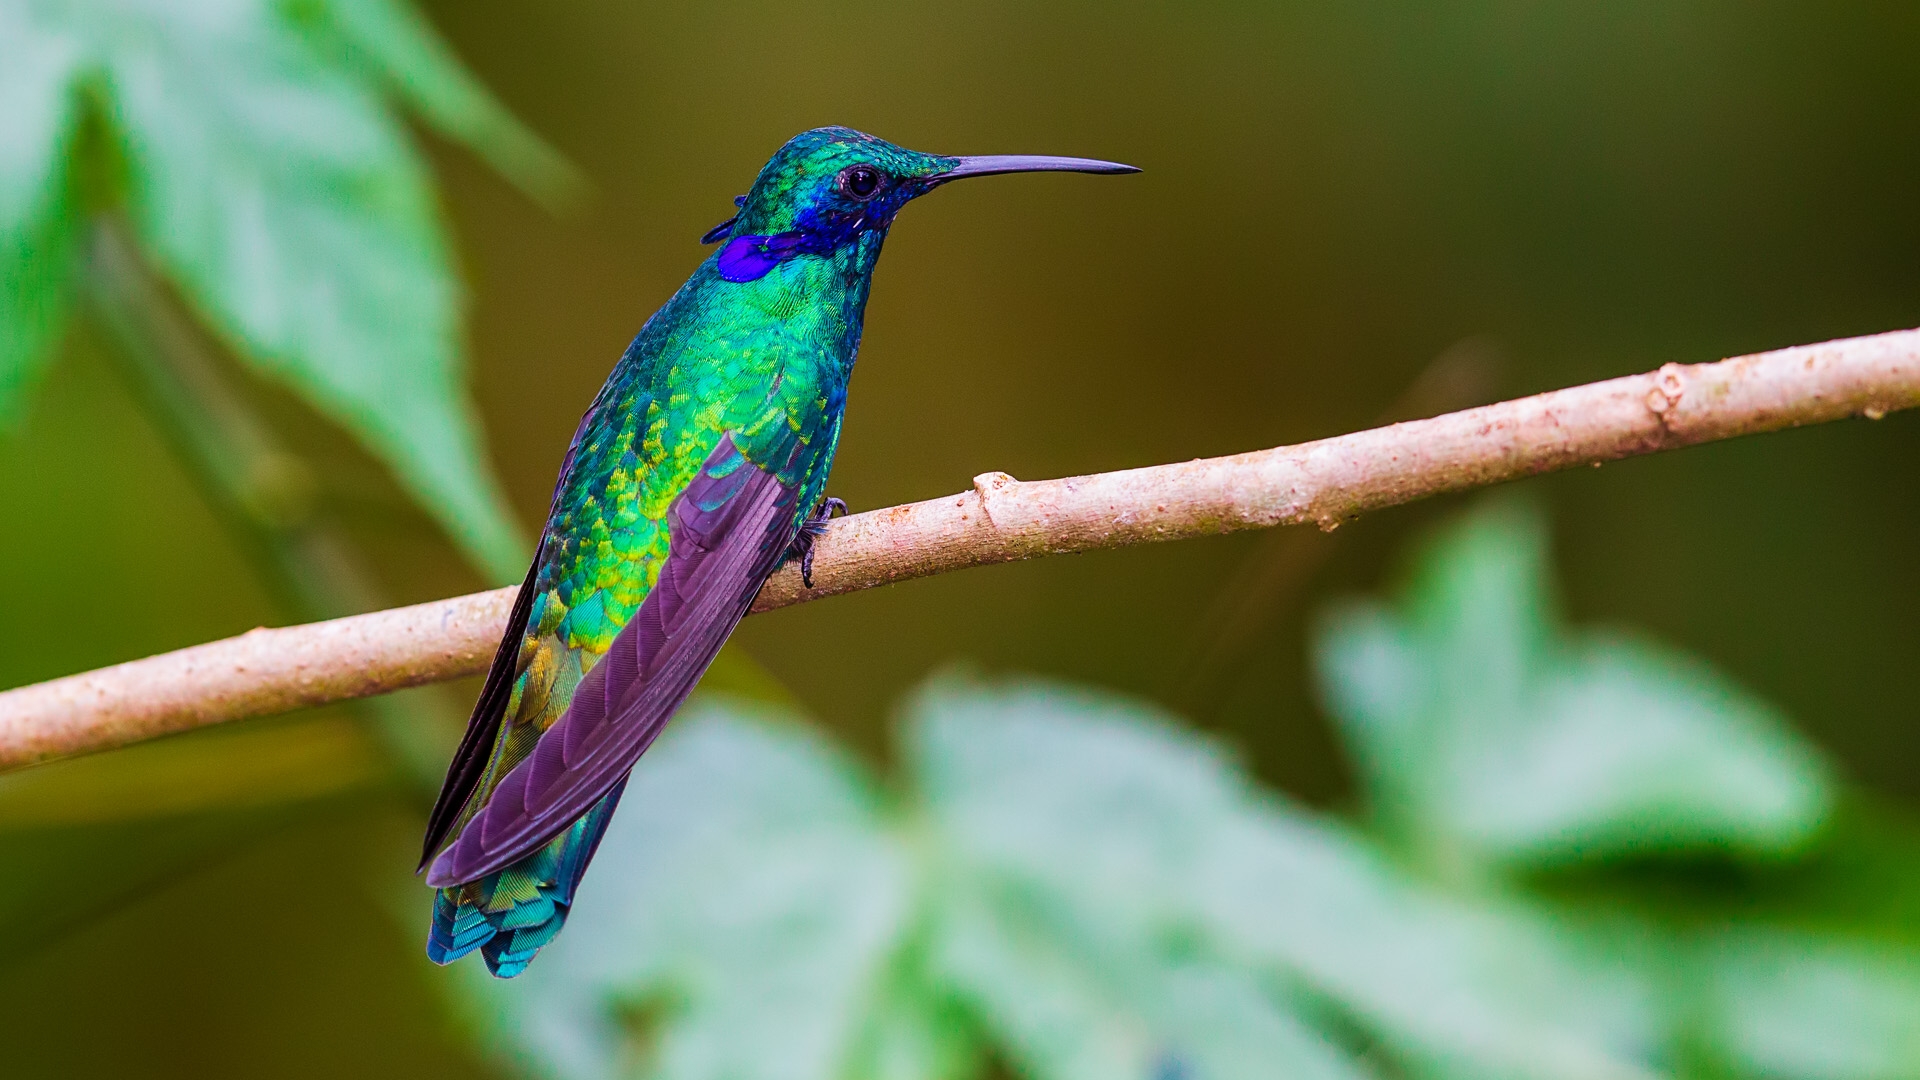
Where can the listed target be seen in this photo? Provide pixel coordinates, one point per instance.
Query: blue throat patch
(750, 258)
(818, 232)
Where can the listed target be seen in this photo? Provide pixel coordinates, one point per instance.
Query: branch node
(991, 486)
(1673, 381)
(1670, 386)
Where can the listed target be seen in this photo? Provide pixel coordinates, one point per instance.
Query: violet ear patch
(749, 258)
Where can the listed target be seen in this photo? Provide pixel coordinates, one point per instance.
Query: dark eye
(860, 182)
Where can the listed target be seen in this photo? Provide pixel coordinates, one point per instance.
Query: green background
(1334, 195)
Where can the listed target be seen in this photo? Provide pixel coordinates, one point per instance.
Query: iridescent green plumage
(701, 458)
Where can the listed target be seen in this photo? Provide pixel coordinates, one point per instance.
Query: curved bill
(997, 164)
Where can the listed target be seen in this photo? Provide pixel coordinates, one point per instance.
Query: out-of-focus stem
(264, 494)
(1270, 581)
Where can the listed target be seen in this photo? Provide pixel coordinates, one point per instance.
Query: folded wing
(727, 532)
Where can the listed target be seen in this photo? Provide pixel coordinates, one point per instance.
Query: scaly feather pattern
(687, 482)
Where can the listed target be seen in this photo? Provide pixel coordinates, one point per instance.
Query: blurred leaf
(37, 118)
(916, 1027)
(1478, 723)
(1864, 876)
(1104, 805)
(269, 178)
(248, 768)
(1096, 892)
(770, 920)
(1483, 980)
(289, 204)
(392, 41)
(1640, 749)
(748, 885)
(1113, 1009)
(1803, 1005)
(1055, 782)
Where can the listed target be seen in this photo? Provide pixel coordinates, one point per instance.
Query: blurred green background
(1349, 212)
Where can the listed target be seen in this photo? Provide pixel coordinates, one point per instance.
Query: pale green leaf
(1055, 1018)
(1147, 831)
(1481, 725)
(1102, 792)
(1376, 681)
(38, 108)
(916, 1027)
(1487, 981)
(1637, 749)
(389, 39)
(1807, 1006)
(1418, 692)
(288, 203)
(1224, 1021)
(1071, 1004)
(1481, 603)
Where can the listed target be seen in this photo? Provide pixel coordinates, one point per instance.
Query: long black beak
(996, 164)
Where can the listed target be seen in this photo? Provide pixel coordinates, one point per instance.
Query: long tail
(509, 915)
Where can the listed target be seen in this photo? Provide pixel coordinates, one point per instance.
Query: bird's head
(829, 187)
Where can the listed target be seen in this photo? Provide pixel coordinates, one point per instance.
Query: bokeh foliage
(236, 177)
(256, 148)
(1078, 881)
(1334, 195)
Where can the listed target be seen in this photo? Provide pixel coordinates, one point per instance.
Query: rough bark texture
(1002, 519)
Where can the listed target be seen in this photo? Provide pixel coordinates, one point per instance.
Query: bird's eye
(860, 182)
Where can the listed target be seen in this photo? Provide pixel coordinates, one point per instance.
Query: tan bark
(1001, 519)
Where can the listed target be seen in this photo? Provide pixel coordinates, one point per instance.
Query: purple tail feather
(510, 914)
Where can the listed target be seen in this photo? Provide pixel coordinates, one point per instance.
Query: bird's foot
(810, 530)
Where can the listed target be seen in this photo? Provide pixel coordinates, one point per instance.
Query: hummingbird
(699, 469)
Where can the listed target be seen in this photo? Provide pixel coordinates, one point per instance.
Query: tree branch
(1002, 519)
